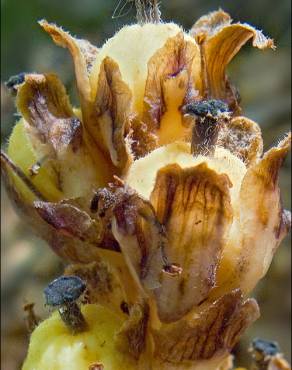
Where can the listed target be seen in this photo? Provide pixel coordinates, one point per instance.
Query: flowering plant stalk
(156, 192)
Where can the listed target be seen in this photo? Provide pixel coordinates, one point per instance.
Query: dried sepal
(70, 220)
(243, 138)
(262, 223)
(220, 41)
(193, 205)
(208, 332)
(113, 110)
(135, 227)
(132, 337)
(103, 284)
(63, 244)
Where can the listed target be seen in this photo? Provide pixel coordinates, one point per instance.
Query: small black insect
(63, 293)
(63, 290)
(206, 108)
(207, 115)
(265, 347)
(14, 81)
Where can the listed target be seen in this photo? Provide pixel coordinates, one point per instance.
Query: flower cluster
(156, 191)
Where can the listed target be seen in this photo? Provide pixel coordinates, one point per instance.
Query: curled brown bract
(220, 41)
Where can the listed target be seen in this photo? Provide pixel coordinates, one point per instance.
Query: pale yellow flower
(156, 190)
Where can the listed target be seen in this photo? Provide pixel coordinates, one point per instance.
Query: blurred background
(263, 79)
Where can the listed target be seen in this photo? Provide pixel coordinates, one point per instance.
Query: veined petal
(193, 205)
(113, 111)
(208, 332)
(220, 41)
(262, 225)
(56, 134)
(243, 138)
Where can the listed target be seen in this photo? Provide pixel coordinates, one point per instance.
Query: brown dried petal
(243, 138)
(193, 204)
(209, 331)
(113, 105)
(220, 41)
(169, 68)
(262, 223)
(83, 54)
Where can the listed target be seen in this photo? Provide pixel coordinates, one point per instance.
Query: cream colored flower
(157, 189)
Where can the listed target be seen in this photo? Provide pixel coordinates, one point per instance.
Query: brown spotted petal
(56, 134)
(243, 138)
(43, 102)
(262, 224)
(193, 205)
(208, 332)
(113, 110)
(220, 41)
(138, 233)
(169, 82)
